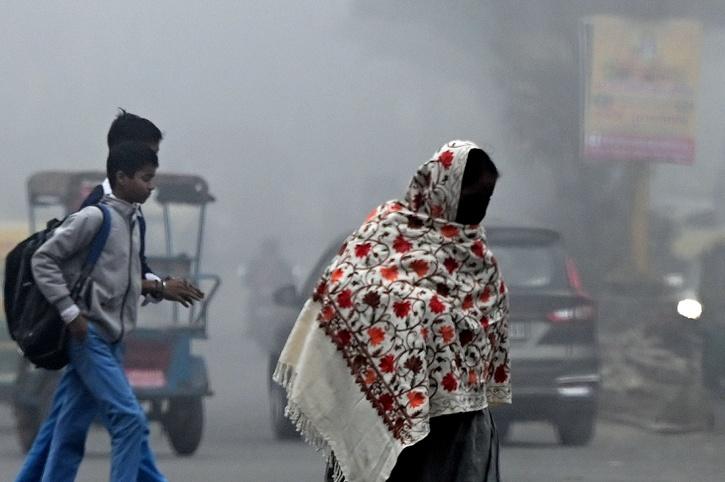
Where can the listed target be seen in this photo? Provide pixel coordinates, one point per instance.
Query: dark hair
(129, 157)
(130, 127)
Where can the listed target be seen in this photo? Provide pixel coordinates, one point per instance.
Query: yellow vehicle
(10, 235)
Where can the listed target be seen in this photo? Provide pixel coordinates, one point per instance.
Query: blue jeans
(93, 384)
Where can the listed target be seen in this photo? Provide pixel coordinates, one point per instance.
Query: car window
(530, 267)
(320, 266)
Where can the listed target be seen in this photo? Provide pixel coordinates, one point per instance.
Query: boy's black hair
(130, 127)
(129, 157)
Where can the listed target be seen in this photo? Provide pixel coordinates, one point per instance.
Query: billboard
(640, 85)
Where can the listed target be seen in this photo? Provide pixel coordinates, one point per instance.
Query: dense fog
(303, 116)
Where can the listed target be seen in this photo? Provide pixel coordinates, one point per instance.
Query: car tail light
(577, 313)
(575, 280)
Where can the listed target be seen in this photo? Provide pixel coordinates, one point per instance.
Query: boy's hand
(181, 291)
(79, 328)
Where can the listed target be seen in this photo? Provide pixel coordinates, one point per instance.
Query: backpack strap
(99, 240)
(142, 232)
(94, 197)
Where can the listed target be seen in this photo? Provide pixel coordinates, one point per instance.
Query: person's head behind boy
(131, 167)
(130, 127)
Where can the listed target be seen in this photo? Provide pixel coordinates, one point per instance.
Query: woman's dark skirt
(462, 447)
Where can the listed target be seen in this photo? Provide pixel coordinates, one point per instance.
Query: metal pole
(640, 220)
(169, 254)
(167, 231)
(197, 256)
(200, 239)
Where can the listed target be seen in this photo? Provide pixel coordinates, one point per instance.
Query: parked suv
(552, 331)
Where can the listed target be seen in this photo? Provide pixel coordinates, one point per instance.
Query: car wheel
(29, 418)
(577, 430)
(281, 425)
(282, 428)
(503, 428)
(27, 423)
(184, 424)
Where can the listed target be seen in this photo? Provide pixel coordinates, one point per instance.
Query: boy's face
(138, 188)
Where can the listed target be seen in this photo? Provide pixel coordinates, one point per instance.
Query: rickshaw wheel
(184, 424)
(28, 419)
(27, 423)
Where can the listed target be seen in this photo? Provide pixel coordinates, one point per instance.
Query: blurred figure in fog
(267, 272)
(395, 359)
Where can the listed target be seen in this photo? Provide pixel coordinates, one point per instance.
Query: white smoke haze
(303, 116)
(288, 110)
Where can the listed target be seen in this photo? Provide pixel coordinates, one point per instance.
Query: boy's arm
(73, 235)
(151, 285)
(155, 289)
(173, 289)
(151, 282)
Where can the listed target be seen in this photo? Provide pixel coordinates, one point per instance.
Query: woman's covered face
(455, 185)
(477, 188)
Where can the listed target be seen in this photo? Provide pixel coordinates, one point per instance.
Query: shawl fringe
(286, 376)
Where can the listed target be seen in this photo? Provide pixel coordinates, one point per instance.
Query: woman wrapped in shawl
(404, 343)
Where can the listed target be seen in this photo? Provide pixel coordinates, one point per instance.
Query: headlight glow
(575, 391)
(689, 308)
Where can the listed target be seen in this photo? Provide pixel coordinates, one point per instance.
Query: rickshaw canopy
(69, 188)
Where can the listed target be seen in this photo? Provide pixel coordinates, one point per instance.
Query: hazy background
(301, 115)
(298, 114)
(304, 115)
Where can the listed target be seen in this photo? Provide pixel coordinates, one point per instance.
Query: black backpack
(33, 322)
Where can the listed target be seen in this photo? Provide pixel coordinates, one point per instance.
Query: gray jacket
(110, 297)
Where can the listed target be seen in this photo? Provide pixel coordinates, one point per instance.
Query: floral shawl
(408, 322)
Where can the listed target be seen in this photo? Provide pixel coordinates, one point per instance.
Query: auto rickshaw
(169, 380)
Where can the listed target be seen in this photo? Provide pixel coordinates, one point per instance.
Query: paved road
(617, 454)
(238, 445)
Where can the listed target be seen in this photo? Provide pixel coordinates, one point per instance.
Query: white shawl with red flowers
(408, 322)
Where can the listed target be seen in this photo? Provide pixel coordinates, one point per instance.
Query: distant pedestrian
(396, 358)
(268, 272)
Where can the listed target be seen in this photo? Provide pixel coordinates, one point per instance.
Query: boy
(125, 127)
(94, 382)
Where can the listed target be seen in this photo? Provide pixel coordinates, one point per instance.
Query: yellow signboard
(641, 84)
